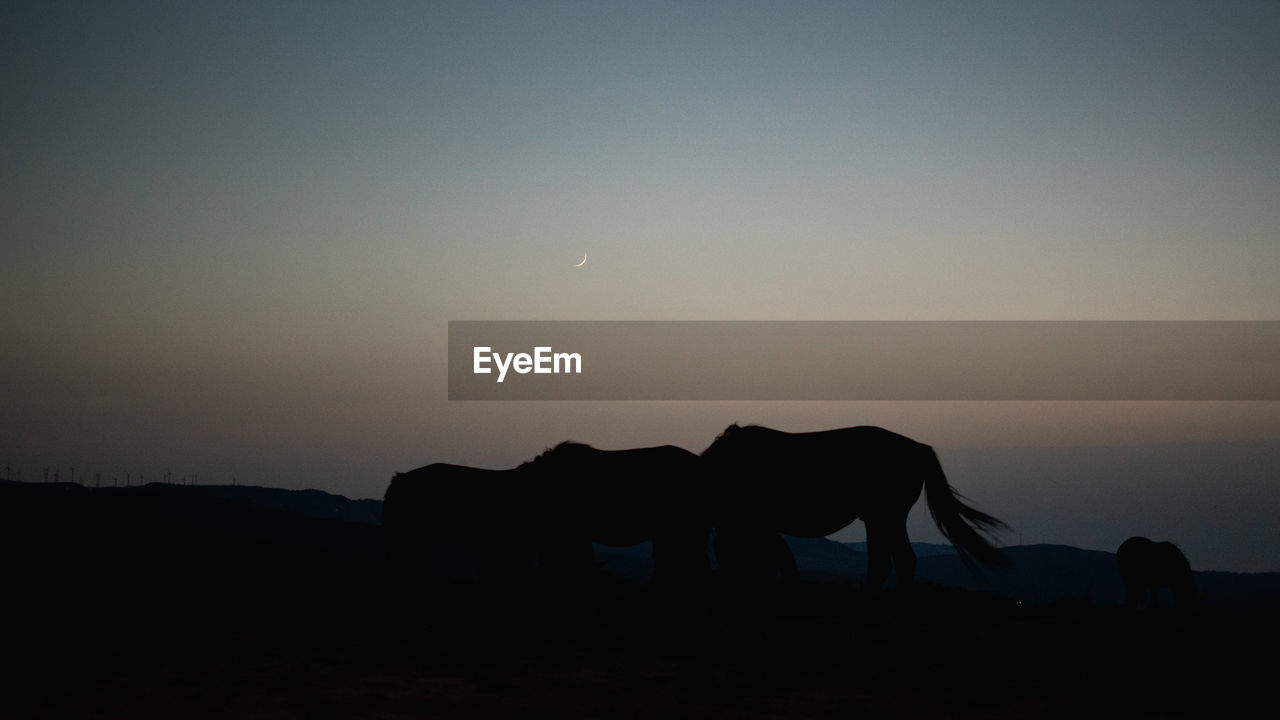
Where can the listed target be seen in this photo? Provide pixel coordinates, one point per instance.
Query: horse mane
(734, 428)
(565, 446)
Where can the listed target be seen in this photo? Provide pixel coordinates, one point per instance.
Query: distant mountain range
(325, 522)
(1036, 574)
(308, 503)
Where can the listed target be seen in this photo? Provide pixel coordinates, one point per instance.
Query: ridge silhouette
(234, 601)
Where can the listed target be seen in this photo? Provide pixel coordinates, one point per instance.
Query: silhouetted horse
(1147, 566)
(814, 484)
(488, 513)
(754, 555)
(625, 497)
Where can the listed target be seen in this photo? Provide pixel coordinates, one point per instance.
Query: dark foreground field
(167, 603)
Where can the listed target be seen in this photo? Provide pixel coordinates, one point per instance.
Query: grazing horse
(813, 484)
(488, 513)
(625, 497)
(1147, 566)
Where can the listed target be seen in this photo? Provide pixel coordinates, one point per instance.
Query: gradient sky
(234, 232)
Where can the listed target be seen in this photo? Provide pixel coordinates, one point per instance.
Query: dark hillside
(175, 601)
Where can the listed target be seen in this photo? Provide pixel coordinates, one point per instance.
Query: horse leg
(680, 557)
(879, 554)
(784, 559)
(889, 548)
(904, 558)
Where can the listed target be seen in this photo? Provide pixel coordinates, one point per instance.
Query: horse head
(727, 440)
(564, 454)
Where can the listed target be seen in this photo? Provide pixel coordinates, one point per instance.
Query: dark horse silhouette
(625, 497)
(1147, 566)
(813, 484)
(544, 514)
(487, 513)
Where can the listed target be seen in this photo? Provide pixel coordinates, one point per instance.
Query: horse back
(817, 482)
(458, 502)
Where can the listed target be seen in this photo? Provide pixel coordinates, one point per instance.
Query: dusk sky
(234, 232)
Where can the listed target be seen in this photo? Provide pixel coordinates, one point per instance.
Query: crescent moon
(584, 260)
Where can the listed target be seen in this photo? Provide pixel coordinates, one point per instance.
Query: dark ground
(168, 604)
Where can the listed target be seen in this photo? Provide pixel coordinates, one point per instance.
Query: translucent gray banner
(864, 360)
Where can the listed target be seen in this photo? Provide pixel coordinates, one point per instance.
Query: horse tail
(966, 527)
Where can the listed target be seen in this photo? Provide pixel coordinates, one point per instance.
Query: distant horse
(625, 497)
(1147, 566)
(814, 484)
